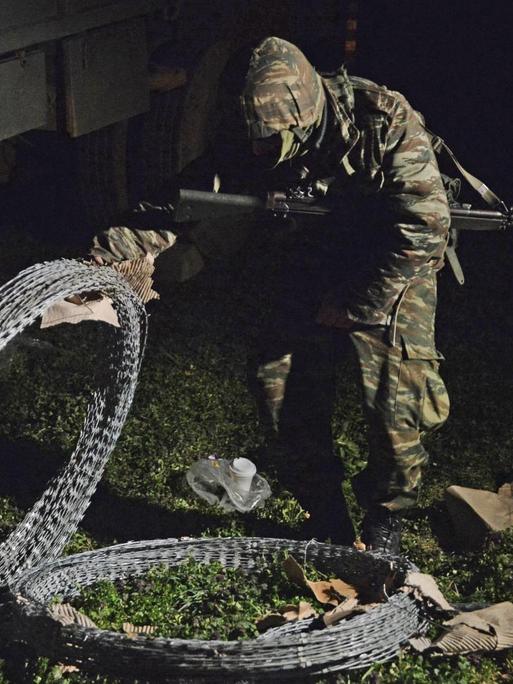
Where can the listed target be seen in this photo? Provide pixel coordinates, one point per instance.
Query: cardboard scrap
(300, 612)
(80, 309)
(426, 589)
(66, 614)
(96, 306)
(487, 629)
(133, 631)
(476, 512)
(506, 490)
(138, 273)
(420, 644)
(347, 599)
(67, 669)
(462, 639)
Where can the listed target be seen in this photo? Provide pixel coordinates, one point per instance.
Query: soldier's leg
(404, 397)
(294, 379)
(295, 385)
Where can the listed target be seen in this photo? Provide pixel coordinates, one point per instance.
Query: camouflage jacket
(383, 147)
(379, 145)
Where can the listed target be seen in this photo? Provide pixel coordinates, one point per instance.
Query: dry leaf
(287, 613)
(332, 591)
(342, 611)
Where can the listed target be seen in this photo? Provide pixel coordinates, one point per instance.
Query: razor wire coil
(34, 572)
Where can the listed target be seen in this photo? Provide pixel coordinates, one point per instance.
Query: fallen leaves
(333, 591)
(286, 613)
(341, 598)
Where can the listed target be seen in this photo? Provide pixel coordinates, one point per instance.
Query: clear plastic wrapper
(213, 481)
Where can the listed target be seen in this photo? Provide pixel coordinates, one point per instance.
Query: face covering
(283, 94)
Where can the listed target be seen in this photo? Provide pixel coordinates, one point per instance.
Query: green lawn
(192, 400)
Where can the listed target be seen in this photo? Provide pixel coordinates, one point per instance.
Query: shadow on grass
(26, 469)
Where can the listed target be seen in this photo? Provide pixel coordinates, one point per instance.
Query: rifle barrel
(195, 205)
(465, 218)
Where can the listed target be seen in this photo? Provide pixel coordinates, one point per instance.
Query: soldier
(365, 280)
(387, 243)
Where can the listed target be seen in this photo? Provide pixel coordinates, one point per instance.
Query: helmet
(283, 95)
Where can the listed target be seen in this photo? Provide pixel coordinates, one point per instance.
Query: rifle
(195, 205)
(463, 217)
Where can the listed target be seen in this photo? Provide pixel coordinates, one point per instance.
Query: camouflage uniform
(120, 243)
(375, 148)
(368, 144)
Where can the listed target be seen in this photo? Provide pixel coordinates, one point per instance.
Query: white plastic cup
(242, 471)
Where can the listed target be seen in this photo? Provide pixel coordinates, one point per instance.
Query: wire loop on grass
(293, 650)
(48, 526)
(30, 566)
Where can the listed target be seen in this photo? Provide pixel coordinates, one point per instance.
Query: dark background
(452, 60)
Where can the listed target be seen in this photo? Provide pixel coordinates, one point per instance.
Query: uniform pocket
(421, 401)
(423, 352)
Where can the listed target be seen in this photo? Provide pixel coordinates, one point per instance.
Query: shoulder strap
(484, 191)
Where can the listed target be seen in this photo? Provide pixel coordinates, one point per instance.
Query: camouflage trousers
(404, 396)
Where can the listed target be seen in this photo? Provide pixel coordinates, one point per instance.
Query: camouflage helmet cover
(283, 91)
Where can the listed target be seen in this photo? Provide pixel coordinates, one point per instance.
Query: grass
(195, 600)
(193, 400)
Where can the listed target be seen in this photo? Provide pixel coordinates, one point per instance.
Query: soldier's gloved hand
(332, 316)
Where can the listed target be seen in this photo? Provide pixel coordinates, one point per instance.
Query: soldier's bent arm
(418, 217)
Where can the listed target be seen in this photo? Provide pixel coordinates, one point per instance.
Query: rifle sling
(481, 188)
(491, 199)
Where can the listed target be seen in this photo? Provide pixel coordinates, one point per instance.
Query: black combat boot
(381, 530)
